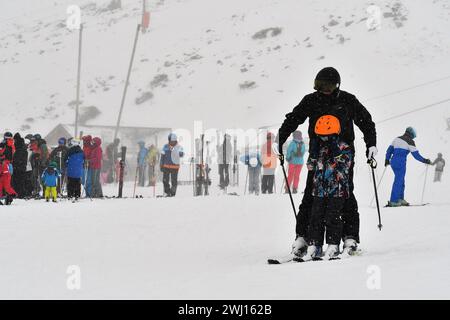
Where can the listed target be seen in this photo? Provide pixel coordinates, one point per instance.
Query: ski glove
(386, 163)
(427, 161)
(371, 152)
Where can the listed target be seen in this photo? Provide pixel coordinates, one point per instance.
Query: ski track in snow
(212, 247)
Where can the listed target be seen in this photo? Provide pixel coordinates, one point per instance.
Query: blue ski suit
(397, 154)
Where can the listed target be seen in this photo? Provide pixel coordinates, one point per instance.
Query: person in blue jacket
(294, 156)
(170, 164)
(396, 156)
(74, 164)
(141, 162)
(50, 181)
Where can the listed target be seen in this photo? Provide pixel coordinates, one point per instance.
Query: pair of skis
(294, 258)
(202, 181)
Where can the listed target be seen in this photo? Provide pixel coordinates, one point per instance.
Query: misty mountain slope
(239, 65)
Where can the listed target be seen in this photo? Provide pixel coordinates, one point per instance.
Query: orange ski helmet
(327, 125)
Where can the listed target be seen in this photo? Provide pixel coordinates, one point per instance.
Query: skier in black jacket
(20, 160)
(330, 100)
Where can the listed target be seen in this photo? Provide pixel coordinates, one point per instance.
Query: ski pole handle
(281, 157)
(372, 163)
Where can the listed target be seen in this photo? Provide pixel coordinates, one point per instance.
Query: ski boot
(332, 252)
(47, 200)
(350, 247)
(312, 253)
(9, 199)
(394, 204)
(404, 203)
(294, 191)
(299, 246)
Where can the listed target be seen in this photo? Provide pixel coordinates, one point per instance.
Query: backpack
(298, 151)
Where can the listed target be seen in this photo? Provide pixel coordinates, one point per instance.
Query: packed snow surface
(215, 247)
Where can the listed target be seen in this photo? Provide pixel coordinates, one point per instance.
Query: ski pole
(282, 186)
(246, 181)
(281, 157)
(378, 185)
(373, 164)
(424, 183)
(135, 180)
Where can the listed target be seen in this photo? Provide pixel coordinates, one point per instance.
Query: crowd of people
(31, 169)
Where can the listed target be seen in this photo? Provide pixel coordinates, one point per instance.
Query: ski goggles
(325, 86)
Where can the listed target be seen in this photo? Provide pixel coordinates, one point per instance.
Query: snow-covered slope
(231, 64)
(227, 63)
(214, 248)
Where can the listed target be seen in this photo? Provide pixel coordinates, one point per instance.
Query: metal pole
(116, 131)
(77, 107)
(424, 183)
(373, 165)
(378, 185)
(281, 157)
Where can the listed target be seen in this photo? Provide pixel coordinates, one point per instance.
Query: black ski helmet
(328, 78)
(37, 136)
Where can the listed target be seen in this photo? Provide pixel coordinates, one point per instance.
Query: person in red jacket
(95, 166)
(5, 174)
(7, 150)
(86, 180)
(87, 145)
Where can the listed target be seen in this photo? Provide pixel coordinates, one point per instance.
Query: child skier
(330, 160)
(440, 164)
(396, 157)
(57, 155)
(50, 181)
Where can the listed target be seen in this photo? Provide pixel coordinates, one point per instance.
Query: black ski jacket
(59, 158)
(20, 158)
(342, 105)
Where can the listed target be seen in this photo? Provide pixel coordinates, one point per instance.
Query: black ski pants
(326, 216)
(19, 183)
(73, 187)
(170, 181)
(350, 215)
(224, 173)
(267, 183)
